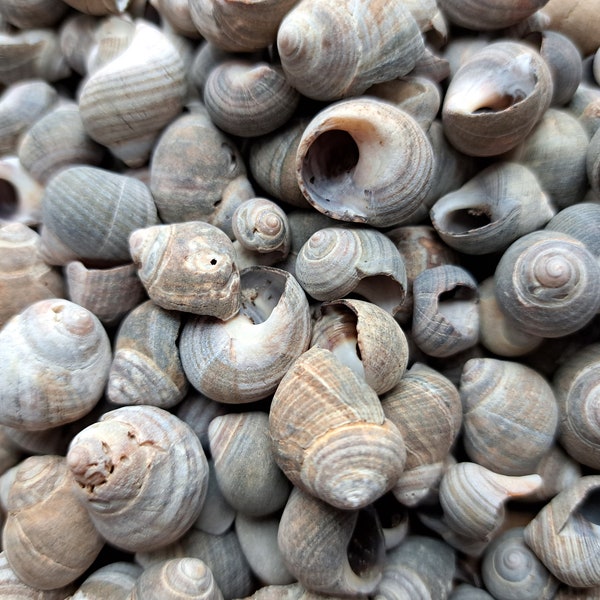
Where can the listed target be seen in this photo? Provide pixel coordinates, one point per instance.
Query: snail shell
(177, 13)
(112, 36)
(54, 362)
(77, 38)
(30, 14)
(111, 582)
(142, 474)
(548, 283)
(336, 261)
(558, 471)
(188, 267)
(146, 368)
(495, 99)
(217, 515)
(325, 55)
(593, 162)
(294, 591)
(366, 161)
(244, 358)
(564, 534)
(329, 550)
(469, 592)
(20, 194)
(394, 519)
(585, 107)
(330, 435)
(99, 7)
(42, 513)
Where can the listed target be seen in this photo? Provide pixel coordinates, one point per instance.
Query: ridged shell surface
(110, 582)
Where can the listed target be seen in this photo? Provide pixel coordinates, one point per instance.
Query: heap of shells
(299, 299)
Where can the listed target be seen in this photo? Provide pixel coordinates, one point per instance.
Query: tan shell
(141, 473)
(99, 7)
(177, 13)
(112, 36)
(353, 162)
(330, 435)
(110, 582)
(20, 194)
(558, 471)
(42, 513)
(188, 267)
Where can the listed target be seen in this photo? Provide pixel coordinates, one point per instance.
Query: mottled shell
(336, 261)
(110, 582)
(364, 160)
(326, 54)
(495, 98)
(188, 267)
(54, 362)
(244, 358)
(330, 435)
(294, 591)
(43, 512)
(141, 473)
(146, 368)
(20, 194)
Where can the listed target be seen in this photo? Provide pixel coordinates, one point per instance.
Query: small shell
(99, 7)
(111, 582)
(123, 474)
(20, 194)
(330, 435)
(364, 160)
(581, 221)
(188, 267)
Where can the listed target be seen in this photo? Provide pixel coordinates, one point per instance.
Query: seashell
(293, 591)
(235, 193)
(217, 515)
(177, 14)
(581, 221)
(244, 358)
(420, 565)
(111, 37)
(99, 7)
(431, 65)
(504, 432)
(495, 99)
(564, 534)
(92, 212)
(327, 58)
(566, 592)
(394, 520)
(10, 455)
(24, 276)
(446, 312)
(336, 261)
(238, 26)
(585, 106)
(21, 104)
(430, 19)
(248, 258)
(426, 409)
(110, 582)
(206, 58)
(461, 50)
(20, 194)
(188, 267)
(548, 283)
(77, 37)
(366, 339)
(469, 592)
(331, 551)
(249, 99)
(258, 539)
(54, 362)
(494, 208)
(31, 54)
(146, 368)
(510, 569)
(122, 467)
(176, 579)
(261, 226)
(352, 162)
(558, 471)
(247, 473)
(329, 433)
(32, 14)
(593, 163)
(107, 99)
(43, 512)
(55, 141)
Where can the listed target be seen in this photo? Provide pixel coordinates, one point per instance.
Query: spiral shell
(469, 592)
(111, 582)
(581, 221)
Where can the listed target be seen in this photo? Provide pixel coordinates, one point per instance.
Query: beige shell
(99, 7)
(141, 473)
(20, 194)
(558, 471)
(585, 106)
(77, 39)
(294, 591)
(108, 99)
(110, 582)
(495, 98)
(325, 55)
(366, 161)
(54, 361)
(42, 513)
(394, 519)
(431, 65)
(329, 550)
(330, 435)
(177, 13)
(188, 267)
(112, 36)
(466, 591)
(30, 14)
(217, 515)
(593, 162)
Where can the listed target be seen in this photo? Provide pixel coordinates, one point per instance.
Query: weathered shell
(124, 473)
(54, 362)
(99, 7)
(337, 261)
(30, 14)
(329, 550)
(43, 512)
(548, 283)
(325, 55)
(77, 40)
(112, 36)
(496, 98)
(294, 591)
(593, 162)
(189, 267)
(585, 106)
(110, 582)
(366, 161)
(469, 592)
(108, 99)
(558, 471)
(217, 515)
(431, 65)
(244, 358)
(146, 368)
(564, 535)
(20, 194)
(330, 435)
(177, 13)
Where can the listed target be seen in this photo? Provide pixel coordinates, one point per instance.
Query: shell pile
(299, 299)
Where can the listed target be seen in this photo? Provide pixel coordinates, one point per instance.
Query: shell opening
(589, 509)
(457, 304)
(260, 294)
(366, 548)
(467, 219)
(9, 199)
(382, 290)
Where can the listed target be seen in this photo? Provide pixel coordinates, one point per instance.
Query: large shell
(142, 474)
(110, 582)
(330, 435)
(365, 160)
(244, 358)
(54, 362)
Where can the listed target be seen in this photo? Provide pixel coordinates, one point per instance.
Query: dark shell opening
(9, 199)
(366, 548)
(589, 509)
